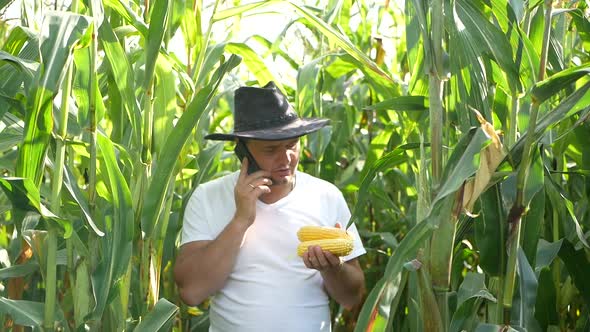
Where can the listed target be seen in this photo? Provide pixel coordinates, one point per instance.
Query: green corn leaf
(403, 103)
(274, 49)
(61, 33)
(22, 43)
(82, 296)
(370, 68)
(489, 231)
(76, 194)
(24, 66)
(565, 206)
(128, 14)
(577, 102)
(580, 20)
(164, 103)
(214, 53)
(162, 313)
(254, 63)
(20, 270)
(25, 196)
(471, 294)
(406, 251)
(389, 160)
(546, 253)
(174, 143)
(578, 267)
(155, 36)
(26, 313)
(532, 222)
(237, 10)
(19, 37)
(308, 78)
(546, 314)
(487, 38)
(556, 83)
(122, 74)
(207, 162)
(463, 164)
(117, 242)
(527, 284)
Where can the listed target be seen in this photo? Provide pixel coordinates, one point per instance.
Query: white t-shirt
(269, 288)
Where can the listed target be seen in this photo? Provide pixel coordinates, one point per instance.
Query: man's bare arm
(344, 282)
(202, 267)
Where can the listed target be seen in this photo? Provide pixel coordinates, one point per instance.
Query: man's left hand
(321, 260)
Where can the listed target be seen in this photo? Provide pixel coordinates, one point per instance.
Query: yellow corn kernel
(338, 247)
(309, 233)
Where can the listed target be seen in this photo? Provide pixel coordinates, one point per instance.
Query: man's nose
(285, 157)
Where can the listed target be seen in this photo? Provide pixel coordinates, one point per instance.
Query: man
(239, 239)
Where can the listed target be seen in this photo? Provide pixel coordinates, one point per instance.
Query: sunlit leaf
(122, 75)
(554, 84)
(154, 38)
(128, 14)
(486, 38)
(25, 196)
(162, 313)
(404, 103)
(174, 142)
(254, 62)
(61, 31)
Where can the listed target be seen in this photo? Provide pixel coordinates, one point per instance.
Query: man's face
(278, 157)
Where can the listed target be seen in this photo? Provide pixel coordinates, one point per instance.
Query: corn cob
(308, 233)
(339, 247)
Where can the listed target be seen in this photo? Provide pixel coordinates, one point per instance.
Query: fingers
(318, 259)
(243, 169)
(260, 183)
(257, 183)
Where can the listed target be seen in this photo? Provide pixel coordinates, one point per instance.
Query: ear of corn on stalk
(335, 240)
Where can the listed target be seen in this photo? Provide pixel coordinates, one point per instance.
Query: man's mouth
(282, 172)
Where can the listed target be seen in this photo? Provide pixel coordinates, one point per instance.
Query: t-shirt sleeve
(343, 218)
(195, 225)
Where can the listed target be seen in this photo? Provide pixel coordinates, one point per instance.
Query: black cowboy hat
(265, 114)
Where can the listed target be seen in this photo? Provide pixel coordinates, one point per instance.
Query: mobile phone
(242, 151)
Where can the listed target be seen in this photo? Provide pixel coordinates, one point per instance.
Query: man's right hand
(247, 191)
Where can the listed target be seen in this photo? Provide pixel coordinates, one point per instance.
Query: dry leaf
(490, 157)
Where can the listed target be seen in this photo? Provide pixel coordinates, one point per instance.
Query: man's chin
(281, 180)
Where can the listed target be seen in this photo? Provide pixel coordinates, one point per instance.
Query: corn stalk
(518, 209)
(442, 242)
(150, 262)
(57, 180)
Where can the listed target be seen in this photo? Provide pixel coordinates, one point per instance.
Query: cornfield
(459, 136)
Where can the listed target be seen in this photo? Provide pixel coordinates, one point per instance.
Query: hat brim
(296, 128)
